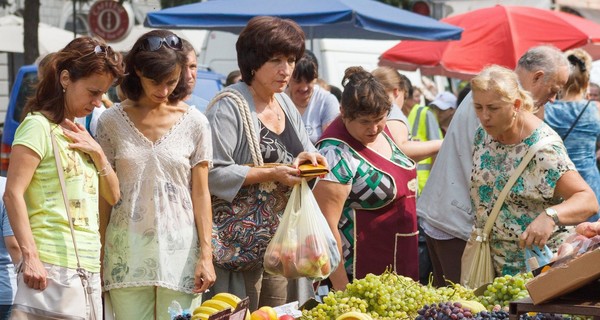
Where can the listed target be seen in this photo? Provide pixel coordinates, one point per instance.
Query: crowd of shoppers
(176, 198)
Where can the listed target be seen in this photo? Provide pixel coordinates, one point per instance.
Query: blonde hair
(505, 83)
(389, 78)
(581, 65)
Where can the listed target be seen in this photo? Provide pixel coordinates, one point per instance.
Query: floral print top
(493, 164)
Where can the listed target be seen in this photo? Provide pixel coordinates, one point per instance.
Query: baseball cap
(445, 101)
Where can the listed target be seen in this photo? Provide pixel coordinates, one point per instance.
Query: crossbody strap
(576, 120)
(244, 109)
(511, 181)
(61, 178)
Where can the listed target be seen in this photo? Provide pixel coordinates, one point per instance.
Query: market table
(570, 305)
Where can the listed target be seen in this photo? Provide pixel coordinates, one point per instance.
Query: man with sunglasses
(191, 73)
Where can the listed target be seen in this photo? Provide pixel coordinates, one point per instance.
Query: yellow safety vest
(417, 120)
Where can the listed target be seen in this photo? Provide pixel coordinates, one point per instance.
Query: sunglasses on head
(99, 50)
(154, 43)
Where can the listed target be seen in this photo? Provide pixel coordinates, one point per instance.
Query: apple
(286, 317)
(259, 315)
(270, 311)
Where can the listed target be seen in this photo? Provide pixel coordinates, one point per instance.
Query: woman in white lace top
(158, 238)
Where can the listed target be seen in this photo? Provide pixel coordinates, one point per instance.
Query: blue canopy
(343, 19)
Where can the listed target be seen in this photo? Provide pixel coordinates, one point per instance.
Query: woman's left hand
(80, 138)
(538, 232)
(309, 157)
(205, 276)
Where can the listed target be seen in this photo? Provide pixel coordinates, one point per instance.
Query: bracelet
(104, 171)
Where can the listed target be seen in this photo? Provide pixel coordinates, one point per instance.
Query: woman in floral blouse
(549, 194)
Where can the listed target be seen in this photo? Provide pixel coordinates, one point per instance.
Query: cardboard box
(560, 280)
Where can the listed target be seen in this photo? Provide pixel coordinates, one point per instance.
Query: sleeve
(331, 109)
(204, 149)
(6, 230)
(33, 134)
(549, 165)
(103, 136)
(227, 175)
(340, 161)
(433, 126)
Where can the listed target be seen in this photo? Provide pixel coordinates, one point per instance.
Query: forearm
(258, 175)
(578, 208)
(419, 150)
(107, 179)
(19, 221)
(204, 223)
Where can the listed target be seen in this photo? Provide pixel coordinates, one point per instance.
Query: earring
(64, 90)
(514, 115)
(253, 72)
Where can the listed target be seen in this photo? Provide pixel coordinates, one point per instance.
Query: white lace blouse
(151, 239)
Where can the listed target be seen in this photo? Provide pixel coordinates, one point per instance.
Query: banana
(200, 316)
(206, 310)
(353, 315)
(216, 304)
(474, 306)
(228, 298)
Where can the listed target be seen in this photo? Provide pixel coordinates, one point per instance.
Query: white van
(334, 55)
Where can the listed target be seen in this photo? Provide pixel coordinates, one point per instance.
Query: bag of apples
(303, 245)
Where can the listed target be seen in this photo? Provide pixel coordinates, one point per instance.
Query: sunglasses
(154, 43)
(99, 50)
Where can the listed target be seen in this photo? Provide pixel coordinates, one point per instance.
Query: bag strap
(511, 181)
(61, 178)
(576, 120)
(244, 109)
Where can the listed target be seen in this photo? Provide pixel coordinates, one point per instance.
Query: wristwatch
(552, 213)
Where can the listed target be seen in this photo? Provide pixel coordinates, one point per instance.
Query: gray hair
(546, 58)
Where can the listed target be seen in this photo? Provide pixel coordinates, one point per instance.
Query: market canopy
(343, 19)
(50, 39)
(495, 35)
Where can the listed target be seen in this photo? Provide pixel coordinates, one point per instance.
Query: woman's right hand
(34, 273)
(286, 175)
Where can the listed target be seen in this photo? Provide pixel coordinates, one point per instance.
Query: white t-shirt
(91, 121)
(323, 108)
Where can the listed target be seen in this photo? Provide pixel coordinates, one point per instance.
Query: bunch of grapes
(186, 316)
(444, 311)
(496, 314)
(543, 316)
(505, 289)
(455, 291)
(334, 305)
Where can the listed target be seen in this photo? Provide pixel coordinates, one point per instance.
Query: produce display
(505, 289)
(221, 301)
(387, 296)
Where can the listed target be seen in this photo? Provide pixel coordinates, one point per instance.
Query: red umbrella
(495, 35)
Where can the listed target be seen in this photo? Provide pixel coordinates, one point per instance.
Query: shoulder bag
(243, 228)
(476, 263)
(63, 298)
(576, 120)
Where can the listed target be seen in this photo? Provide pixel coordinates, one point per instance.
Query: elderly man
(444, 206)
(191, 74)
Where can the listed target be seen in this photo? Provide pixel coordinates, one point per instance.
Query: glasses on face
(154, 43)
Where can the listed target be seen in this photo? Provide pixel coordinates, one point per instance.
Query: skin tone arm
(331, 197)
(580, 203)
(284, 174)
(205, 272)
(416, 150)
(19, 177)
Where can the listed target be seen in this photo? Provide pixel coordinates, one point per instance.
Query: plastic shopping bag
(536, 257)
(303, 245)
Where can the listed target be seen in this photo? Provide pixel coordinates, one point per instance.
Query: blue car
(208, 84)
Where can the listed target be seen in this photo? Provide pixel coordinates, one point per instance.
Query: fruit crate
(568, 305)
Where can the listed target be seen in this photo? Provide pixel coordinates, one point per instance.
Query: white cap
(444, 101)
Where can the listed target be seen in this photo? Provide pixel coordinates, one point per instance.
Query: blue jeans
(5, 311)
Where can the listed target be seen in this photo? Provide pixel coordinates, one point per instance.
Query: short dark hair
(363, 95)
(306, 68)
(263, 38)
(187, 47)
(157, 65)
(79, 60)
